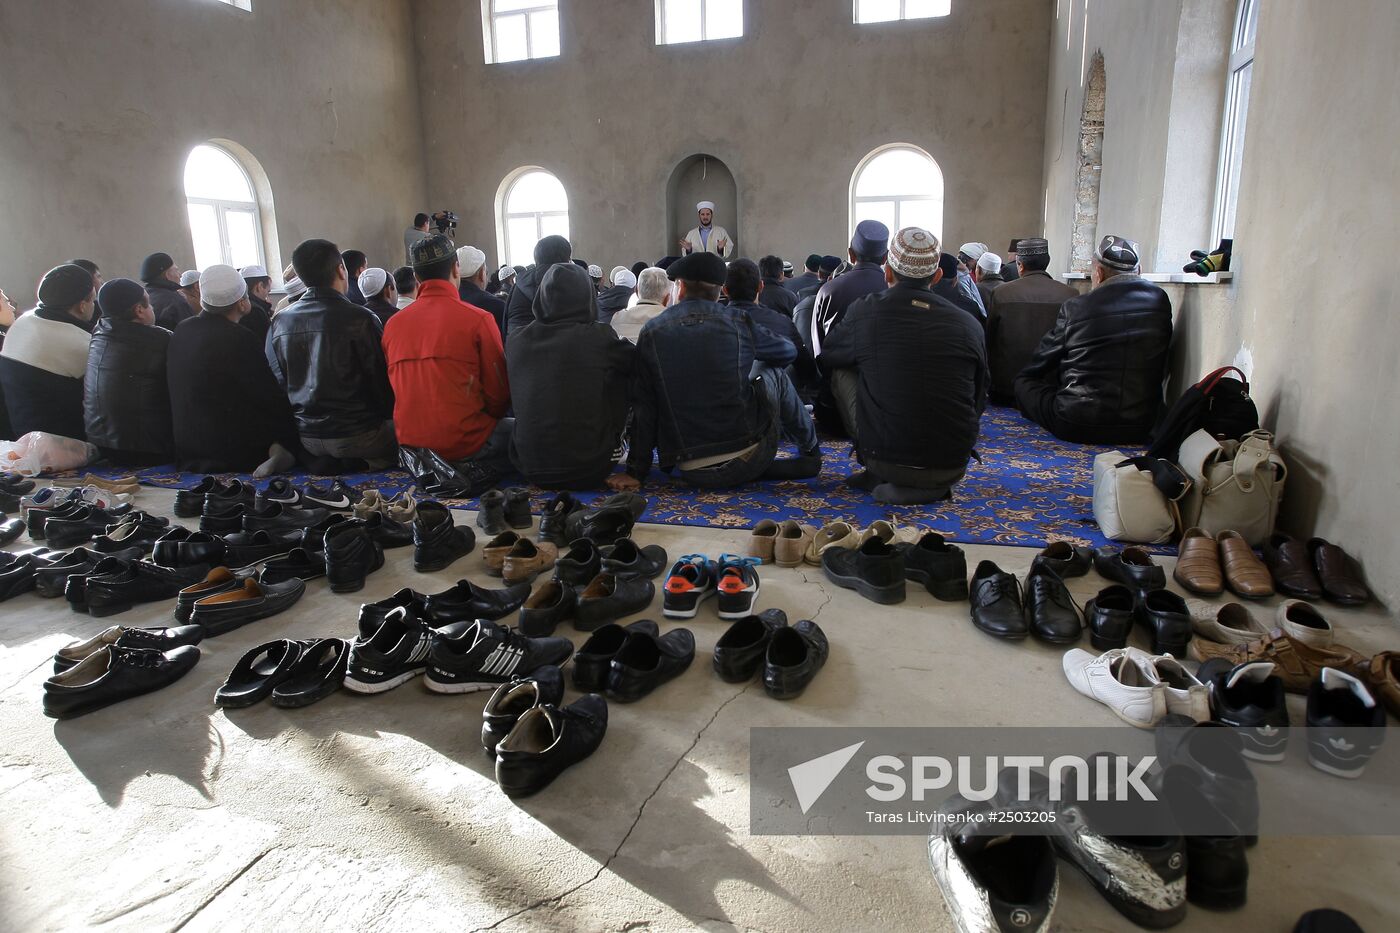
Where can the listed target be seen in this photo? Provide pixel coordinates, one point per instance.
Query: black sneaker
(692, 580)
(1345, 724)
(1250, 698)
(471, 656)
(339, 496)
(372, 614)
(112, 675)
(737, 586)
(941, 567)
(874, 570)
(393, 655)
(548, 739)
(543, 687)
(437, 540)
(280, 491)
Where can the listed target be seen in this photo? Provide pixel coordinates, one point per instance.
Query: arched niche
(696, 178)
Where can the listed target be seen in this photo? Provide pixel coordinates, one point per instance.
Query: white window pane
(1235, 156)
(544, 34)
(242, 238)
(724, 19)
(520, 240)
(1249, 25)
(681, 20)
(554, 225)
(927, 214)
(212, 173)
(900, 172)
(505, 6)
(536, 191)
(204, 230)
(876, 11)
(919, 9)
(882, 211)
(510, 39)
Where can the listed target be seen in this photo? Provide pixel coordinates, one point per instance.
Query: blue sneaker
(691, 581)
(737, 585)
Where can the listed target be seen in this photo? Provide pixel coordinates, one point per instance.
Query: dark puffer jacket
(569, 376)
(169, 305)
(1108, 353)
(126, 399)
(613, 299)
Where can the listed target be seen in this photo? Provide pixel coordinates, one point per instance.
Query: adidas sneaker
(737, 586)
(395, 654)
(471, 656)
(690, 582)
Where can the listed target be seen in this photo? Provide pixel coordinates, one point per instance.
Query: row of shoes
(604, 521)
(221, 494)
(338, 496)
(879, 565)
(590, 585)
(732, 581)
(790, 543)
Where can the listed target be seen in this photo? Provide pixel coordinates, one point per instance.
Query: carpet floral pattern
(1028, 488)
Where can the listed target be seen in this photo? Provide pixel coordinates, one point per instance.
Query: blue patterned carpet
(1028, 489)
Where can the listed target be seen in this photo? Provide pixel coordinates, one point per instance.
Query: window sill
(1179, 278)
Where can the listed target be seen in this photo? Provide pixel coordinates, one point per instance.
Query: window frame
(222, 206)
(1232, 128)
(245, 5)
(903, 17)
(504, 214)
(704, 25)
(489, 16)
(898, 200)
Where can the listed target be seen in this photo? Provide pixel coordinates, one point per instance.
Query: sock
(279, 460)
(794, 468)
(908, 495)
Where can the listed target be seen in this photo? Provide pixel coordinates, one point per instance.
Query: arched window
(900, 186)
(533, 205)
(225, 222)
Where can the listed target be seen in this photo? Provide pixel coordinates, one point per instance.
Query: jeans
(377, 446)
(783, 400)
(845, 386)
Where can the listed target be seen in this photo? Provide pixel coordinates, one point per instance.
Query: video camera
(446, 222)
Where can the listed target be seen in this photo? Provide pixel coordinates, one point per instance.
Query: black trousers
(1036, 399)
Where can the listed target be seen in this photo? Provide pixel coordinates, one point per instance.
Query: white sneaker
(1115, 681)
(1184, 693)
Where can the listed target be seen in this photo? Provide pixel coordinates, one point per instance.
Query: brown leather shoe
(1198, 564)
(1244, 573)
(1291, 564)
(528, 560)
(1338, 573)
(762, 539)
(1382, 673)
(1296, 663)
(793, 540)
(495, 551)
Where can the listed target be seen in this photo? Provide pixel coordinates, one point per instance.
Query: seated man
(909, 371)
(448, 370)
(653, 295)
(126, 399)
(869, 245)
(1097, 376)
(808, 278)
(325, 353)
(45, 355)
(381, 294)
(189, 289)
(473, 291)
(569, 376)
(745, 287)
(227, 412)
(355, 263)
(775, 293)
(711, 395)
(406, 284)
(258, 320)
(987, 275)
(520, 306)
(1019, 314)
(616, 296)
(162, 281)
(945, 286)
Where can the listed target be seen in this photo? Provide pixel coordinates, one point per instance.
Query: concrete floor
(367, 813)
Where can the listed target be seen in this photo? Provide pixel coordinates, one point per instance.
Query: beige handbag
(1236, 485)
(1136, 498)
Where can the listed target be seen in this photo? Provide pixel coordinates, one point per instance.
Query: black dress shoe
(633, 502)
(602, 525)
(646, 661)
(77, 528)
(118, 636)
(51, 577)
(874, 570)
(466, 601)
(996, 602)
(1065, 559)
(1050, 610)
(579, 564)
(543, 687)
(548, 739)
(386, 532)
(740, 650)
(75, 584)
(127, 534)
(313, 538)
(1132, 567)
(554, 519)
(608, 598)
(189, 503)
(491, 512)
(242, 548)
(627, 559)
(551, 603)
(372, 614)
(258, 672)
(166, 549)
(219, 580)
(16, 574)
(298, 562)
(279, 517)
(200, 548)
(140, 582)
(11, 530)
(794, 656)
(317, 674)
(222, 519)
(1165, 615)
(224, 612)
(437, 541)
(593, 662)
(113, 675)
(517, 508)
(1110, 617)
(939, 566)
(351, 555)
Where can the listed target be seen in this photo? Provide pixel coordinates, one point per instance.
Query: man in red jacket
(448, 368)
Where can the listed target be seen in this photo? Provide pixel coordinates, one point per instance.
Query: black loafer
(996, 602)
(1065, 559)
(627, 559)
(279, 517)
(874, 570)
(593, 661)
(372, 614)
(1132, 567)
(491, 512)
(75, 584)
(199, 548)
(189, 503)
(1110, 617)
(50, 578)
(78, 528)
(602, 526)
(548, 739)
(647, 661)
(113, 675)
(140, 582)
(317, 674)
(242, 548)
(254, 600)
(740, 650)
(466, 601)
(517, 508)
(544, 687)
(129, 533)
(437, 540)
(579, 564)
(16, 574)
(298, 562)
(555, 518)
(219, 580)
(222, 519)
(351, 555)
(552, 602)
(1165, 616)
(941, 567)
(166, 549)
(794, 656)
(608, 598)
(1050, 610)
(258, 672)
(11, 530)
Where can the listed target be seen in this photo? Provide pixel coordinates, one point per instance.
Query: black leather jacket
(1108, 353)
(325, 352)
(126, 401)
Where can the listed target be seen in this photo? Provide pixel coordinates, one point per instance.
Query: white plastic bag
(37, 452)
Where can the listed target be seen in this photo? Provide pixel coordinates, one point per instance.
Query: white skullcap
(973, 251)
(704, 205)
(293, 287)
(372, 281)
(221, 286)
(471, 260)
(989, 262)
(623, 276)
(253, 272)
(595, 272)
(189, 277)
(505, 272)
